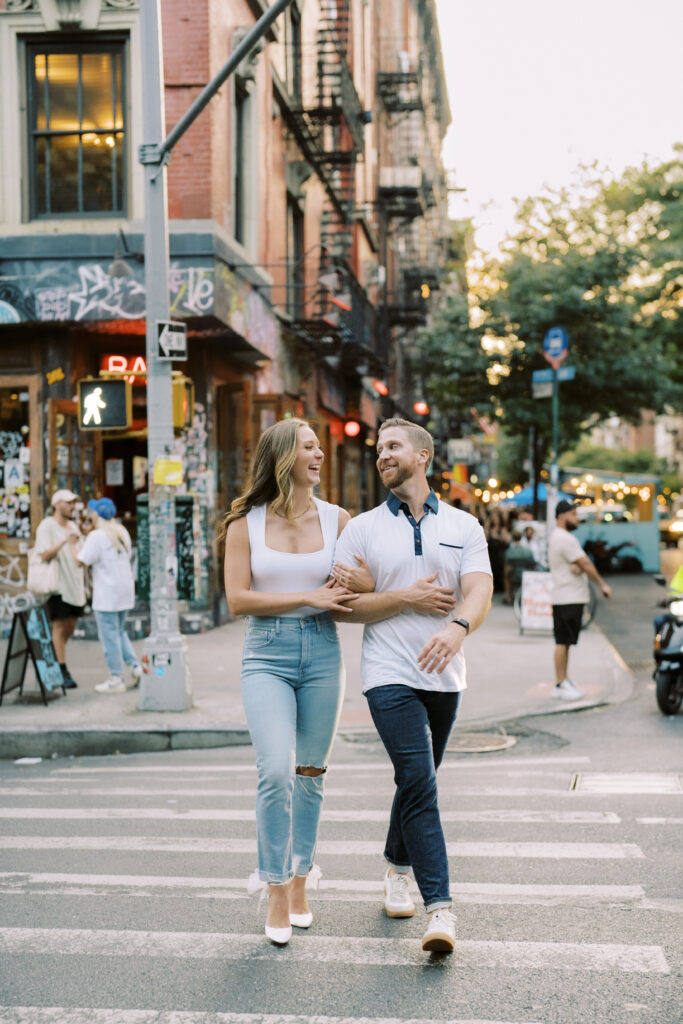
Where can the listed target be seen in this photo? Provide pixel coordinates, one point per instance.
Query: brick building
(308, 223)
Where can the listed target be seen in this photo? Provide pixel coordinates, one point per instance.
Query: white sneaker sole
(403, 912)
(438, 942)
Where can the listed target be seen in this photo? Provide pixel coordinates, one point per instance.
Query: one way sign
(172, 339)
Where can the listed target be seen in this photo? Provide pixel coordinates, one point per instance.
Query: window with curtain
(77, 128)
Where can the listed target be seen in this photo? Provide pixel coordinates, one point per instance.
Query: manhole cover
(479, 742)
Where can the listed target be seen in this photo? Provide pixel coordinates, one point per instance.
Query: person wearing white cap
(55, 534)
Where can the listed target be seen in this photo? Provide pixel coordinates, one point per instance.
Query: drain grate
(627, 782)
(479, 742)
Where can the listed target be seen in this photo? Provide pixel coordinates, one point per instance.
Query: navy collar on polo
(431, 505)
(395, 504)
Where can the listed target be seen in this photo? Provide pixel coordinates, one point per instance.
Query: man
(53, 537)
(533, 542)
(517, 559)
(569, 567)
(429, 560)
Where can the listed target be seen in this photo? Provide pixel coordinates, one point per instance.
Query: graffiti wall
(66, 290)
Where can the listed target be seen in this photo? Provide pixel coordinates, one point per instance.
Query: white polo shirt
(400, 551)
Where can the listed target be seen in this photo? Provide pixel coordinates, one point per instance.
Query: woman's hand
(358, 578)
(329, 597)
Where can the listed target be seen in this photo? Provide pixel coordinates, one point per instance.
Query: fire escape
(406, 189)
(327, 121)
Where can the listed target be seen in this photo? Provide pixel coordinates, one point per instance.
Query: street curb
(48, 743)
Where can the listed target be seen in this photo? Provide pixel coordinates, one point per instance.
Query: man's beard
(401, 474)
(571, 526)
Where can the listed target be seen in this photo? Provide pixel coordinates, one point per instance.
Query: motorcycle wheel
(669, 696)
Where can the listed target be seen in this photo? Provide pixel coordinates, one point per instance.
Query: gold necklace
(298, 515)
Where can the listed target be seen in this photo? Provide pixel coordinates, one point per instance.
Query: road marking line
(212, 814)
(348, 766)
(564, 956)
(342, 848)
(350, 890)
(83, 1015)
(660, 821)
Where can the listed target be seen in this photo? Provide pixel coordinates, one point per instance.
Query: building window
(294, 56)
(77, 129)
(295, 259)
(241, 161)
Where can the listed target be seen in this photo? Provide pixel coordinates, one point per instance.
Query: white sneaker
(567, 690)
(113, 685)
(397, 901)
(440, 934)
(136, 675)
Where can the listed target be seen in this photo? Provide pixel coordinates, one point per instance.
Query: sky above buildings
(537, 87)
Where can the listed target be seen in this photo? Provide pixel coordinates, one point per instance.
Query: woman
(107, 550)
(279, 552)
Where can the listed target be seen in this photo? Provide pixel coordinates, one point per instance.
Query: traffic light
(183, 402)
(104, 404)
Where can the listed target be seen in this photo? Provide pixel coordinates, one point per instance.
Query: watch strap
(464, 623)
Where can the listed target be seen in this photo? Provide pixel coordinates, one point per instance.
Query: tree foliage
(604, 260)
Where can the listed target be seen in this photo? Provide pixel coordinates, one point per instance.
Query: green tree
(605, 261)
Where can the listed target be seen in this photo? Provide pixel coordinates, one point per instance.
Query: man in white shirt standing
(429, 561)
(570, 569)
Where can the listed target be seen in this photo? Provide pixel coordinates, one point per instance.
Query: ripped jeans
(292, 689)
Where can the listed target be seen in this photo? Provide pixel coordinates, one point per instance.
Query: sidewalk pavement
(509, 676)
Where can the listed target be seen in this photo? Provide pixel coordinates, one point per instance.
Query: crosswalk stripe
(350, 848)
(82, 1015)
(660, 821)
(354, 889)
(213, 814)
(348, 766)
(564, 956)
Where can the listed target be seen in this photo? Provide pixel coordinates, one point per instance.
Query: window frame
(116, 44)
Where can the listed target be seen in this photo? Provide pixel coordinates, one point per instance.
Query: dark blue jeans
(414, 726)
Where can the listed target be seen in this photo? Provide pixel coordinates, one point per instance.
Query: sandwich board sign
(31, 637)
(536, 611)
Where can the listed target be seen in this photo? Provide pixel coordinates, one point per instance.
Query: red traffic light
(421, 408)
(380, 387)
(352, 428)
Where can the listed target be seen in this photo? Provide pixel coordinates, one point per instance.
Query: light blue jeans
(115, 641)
(292, 688)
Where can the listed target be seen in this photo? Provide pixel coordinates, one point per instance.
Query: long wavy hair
(270, 473)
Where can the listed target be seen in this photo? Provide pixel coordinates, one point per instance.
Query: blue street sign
(556, 341)
(563, 373)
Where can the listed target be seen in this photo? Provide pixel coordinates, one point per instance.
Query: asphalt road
(123, 901)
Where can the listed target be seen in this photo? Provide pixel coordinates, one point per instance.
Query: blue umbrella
(526, 496)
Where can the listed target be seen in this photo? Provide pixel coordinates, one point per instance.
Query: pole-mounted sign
(555, 346)
(172, 340)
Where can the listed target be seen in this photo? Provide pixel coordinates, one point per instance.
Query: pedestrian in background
(57, 537)
(498, 538)
(429, 560)
(518, 558)
(279, 551)
(570, 570)
(107, 551)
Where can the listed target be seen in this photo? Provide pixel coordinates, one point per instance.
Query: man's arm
(585, 565)
(441, 648)
(422, 596)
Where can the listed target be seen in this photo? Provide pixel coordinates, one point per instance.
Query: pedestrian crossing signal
(104, 404)
(425, 290)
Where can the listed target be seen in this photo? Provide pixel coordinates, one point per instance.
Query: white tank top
(283, 572)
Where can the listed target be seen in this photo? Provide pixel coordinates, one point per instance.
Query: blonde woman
(107, 551)
(279, 553)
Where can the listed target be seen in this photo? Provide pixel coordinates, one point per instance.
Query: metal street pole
(166, 686)
(555, 444)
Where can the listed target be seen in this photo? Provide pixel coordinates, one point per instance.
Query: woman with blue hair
(107, 551)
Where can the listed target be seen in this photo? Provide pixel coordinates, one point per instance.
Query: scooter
(610, 558)
(668, 652)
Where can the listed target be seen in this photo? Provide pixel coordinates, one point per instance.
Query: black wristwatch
(462, 622)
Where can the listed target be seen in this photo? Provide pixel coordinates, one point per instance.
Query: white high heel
(312, 882)
(279, 936)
